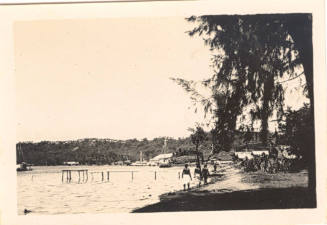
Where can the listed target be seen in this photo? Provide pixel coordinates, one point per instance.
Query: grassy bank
(277, 180)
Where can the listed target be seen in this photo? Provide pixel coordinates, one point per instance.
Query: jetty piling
(68, 174)
(155, 175)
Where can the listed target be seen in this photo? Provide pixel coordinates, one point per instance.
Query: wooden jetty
(68, 173)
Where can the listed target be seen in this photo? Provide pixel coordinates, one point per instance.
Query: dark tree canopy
(296, 128)
(259, 44)
(198, 137)
(252, 56)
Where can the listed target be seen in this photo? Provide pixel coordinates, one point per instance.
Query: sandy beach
(232, 189)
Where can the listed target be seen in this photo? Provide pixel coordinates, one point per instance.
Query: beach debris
(26, 211)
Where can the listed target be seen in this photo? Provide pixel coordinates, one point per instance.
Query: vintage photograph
(165, 114)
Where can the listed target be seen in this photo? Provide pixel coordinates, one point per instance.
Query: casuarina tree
(253, 56)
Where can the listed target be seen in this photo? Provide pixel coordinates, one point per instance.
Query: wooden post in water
(132, 175)
(102, 175)
(155, 175)
(107, 175)
(83, 175)
(70, 175)
(62, 176)
(179, 175)
(87, 175)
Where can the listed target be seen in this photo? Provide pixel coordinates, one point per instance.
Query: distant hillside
(105, 151)
(99, 151)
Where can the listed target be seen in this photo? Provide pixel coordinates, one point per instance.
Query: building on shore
(161, 158)
(72, 163)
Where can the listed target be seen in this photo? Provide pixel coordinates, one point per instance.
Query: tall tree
(253, 55)
(198, 137)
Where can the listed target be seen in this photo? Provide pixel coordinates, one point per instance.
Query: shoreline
(285, 198)
(237, 190)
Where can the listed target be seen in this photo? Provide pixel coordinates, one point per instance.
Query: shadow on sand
(284, 198)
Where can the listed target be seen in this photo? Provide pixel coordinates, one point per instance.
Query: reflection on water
(43, 192)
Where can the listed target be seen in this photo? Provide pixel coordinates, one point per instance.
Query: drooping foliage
(253, 55)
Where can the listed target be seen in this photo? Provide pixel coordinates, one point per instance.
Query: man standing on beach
(187, 178)
(205, 174)
(197, 173)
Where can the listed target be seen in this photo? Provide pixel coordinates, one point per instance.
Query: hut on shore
(71, 163)
(161, 158)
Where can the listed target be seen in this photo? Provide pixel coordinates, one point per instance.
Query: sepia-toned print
(165, 114)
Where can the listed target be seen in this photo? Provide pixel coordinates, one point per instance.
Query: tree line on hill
(100, 151)
(293, 130)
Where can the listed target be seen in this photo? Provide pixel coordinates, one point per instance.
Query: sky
(106, 78)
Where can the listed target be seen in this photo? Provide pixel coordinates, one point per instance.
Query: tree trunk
(265, 111)
(264, 128)
(198, 158)
(301, 31)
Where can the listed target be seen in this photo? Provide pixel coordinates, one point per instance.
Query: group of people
(198, 174)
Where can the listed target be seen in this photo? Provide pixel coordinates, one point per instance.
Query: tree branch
(291, 78)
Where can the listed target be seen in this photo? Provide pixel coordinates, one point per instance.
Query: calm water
(43, 191)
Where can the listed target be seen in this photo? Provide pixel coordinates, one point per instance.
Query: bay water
(42, 190)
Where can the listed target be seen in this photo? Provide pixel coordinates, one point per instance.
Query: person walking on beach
(186, 177)
(205, 174)
(197, 173)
